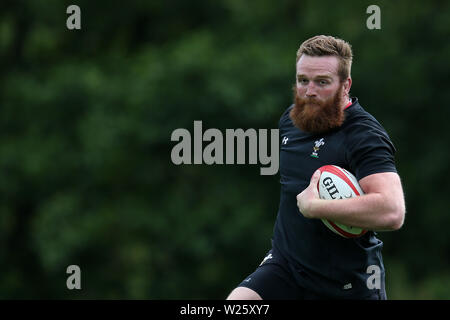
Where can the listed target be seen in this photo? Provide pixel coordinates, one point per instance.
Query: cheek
(327, 93)
(301, 91)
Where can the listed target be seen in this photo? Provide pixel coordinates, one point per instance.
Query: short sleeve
(369, 150)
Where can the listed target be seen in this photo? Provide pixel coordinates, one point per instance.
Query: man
(307, 260)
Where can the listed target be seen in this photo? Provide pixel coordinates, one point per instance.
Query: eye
(302, 81)
(323, 82)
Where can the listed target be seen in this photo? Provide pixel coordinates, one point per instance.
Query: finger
(315, 182)
(315, 177)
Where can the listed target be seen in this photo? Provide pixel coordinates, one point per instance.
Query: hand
(307, 198)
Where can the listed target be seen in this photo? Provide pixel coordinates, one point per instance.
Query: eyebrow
(320, 76)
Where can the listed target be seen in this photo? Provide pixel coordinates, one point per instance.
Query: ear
(347, 85)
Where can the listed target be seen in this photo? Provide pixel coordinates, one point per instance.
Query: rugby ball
(337, 183)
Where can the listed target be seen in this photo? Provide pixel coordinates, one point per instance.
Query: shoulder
(359, 122)
(285, 120)
(368, 147)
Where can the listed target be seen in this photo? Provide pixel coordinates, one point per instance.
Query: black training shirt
(323, 261)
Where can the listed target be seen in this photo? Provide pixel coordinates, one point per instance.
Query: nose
(310, 90)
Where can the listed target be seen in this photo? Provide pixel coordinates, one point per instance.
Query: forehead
(314, 66)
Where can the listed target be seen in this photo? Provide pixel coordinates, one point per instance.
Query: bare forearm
(382, 207)
(370, 211)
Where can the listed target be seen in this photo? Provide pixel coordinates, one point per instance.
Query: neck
(347, 102)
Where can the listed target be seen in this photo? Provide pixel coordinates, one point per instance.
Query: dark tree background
(86, 117)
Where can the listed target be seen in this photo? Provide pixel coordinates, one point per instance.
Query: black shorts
(273, 280)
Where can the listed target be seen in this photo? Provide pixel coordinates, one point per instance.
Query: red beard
(313, 116)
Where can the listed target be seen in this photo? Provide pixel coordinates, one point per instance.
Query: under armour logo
(347, 286)
(285, 140)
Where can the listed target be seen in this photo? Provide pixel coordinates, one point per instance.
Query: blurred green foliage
(86, 117)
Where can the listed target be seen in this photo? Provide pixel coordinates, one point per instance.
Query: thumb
(315, 177)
